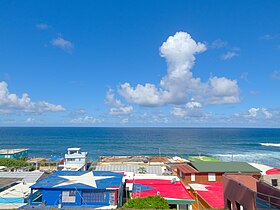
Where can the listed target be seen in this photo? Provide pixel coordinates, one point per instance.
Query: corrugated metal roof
(187, 169)
(131, 168)
(233, 167)
(28, 177)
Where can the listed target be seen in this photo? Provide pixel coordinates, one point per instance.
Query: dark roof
(5, 182)
(246, 180)
(224, 167)
(186, 169)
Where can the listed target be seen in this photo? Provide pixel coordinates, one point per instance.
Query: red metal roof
(187, 169)
(273, 171)
(164, 188)
(213, 194)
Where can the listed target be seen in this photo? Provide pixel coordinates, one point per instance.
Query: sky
(140, 63)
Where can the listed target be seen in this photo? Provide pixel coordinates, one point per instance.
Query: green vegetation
(142, 170)
(149, 202)
(203, 159)
(9, 162)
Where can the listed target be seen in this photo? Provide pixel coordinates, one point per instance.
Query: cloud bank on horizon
(179, 86)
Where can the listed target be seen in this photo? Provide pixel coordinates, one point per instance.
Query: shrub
(149, 202)
(9, 162)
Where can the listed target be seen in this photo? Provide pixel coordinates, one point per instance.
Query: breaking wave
(270, 144)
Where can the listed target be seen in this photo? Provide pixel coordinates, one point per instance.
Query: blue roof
(86, 180)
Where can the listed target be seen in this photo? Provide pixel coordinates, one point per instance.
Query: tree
(149, 202)
(142, 170)
(9, 162)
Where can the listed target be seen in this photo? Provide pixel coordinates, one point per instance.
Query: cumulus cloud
(118, 107)
(179, 85)
(254, 112)
(30, 120)
(191, 109)
(10, 103)
(63, 44)
(42, 26)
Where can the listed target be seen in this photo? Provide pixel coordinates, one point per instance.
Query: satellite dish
(173, 180)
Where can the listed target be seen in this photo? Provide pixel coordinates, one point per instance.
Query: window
(239, 206)
(112, 198)
(193, 177)
(274, 182)
(211, 177)
(181, 174)
(69, 196)
(91, 196)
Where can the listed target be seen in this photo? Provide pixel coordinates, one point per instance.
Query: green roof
(233, 167)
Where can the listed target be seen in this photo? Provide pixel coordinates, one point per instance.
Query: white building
(75, 160)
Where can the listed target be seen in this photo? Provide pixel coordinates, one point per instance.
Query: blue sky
(140, 63)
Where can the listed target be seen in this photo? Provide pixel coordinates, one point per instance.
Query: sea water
(228, 144)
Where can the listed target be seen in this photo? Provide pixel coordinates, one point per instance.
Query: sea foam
(270, 144)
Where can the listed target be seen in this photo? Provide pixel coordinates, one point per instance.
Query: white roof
(130, 168)
(263, 168)
(73, 148)
(18, 191)
(28, 177)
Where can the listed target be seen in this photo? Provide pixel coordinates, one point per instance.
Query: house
(169, 187)
(91, 189)
(75, 159)
(137, 169)
(14, 188)
(208, 196)
(14, 153)
(203, 172)
(246, 192)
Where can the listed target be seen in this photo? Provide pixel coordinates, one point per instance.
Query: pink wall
(235, 192)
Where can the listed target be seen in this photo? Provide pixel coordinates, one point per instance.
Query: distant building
(14, 153)
(75, 160)
(91, 189)
(203, 172)
(169, 187)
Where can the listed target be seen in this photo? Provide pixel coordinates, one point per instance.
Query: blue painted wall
(23, 154)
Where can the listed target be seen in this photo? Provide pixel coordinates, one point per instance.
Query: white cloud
(191, 109)
(218, 43)
(229, 55)
(10, 103)
(178, 85)
(118, 107)
(223, 90)
(123, 110)
(63, 44)
(30, 120)
(266, 113)
(86, 120)
(253, 112)
(42, 26)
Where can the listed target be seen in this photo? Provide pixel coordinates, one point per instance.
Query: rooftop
(187, 169)
(87, 180)
(28, 177)
(11, 151)
(4, 182)
(130, 168)
(212, 193)
(225, 167)
(168, 189)
(246, 180)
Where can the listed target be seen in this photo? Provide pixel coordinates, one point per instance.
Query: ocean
(237, 144)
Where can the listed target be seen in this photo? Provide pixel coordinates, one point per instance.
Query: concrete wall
(235, 192)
